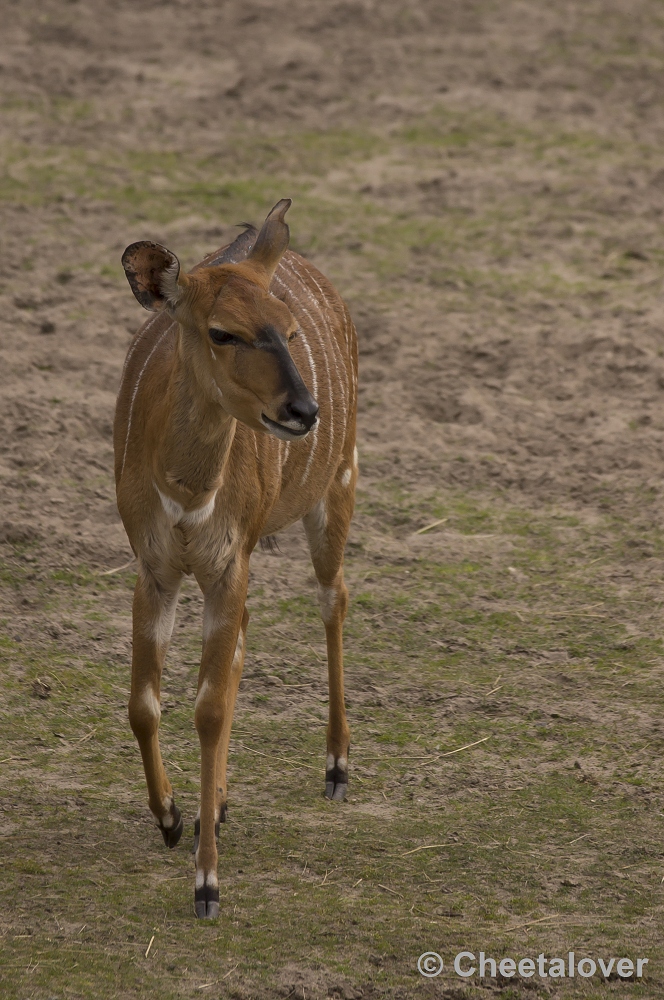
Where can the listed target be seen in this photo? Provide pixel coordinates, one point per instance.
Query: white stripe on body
(314, 381)
(346, 332)
(137, 340)
(321, 340)
(335, 346)
(133, 398)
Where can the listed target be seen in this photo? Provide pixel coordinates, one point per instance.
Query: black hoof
(206, 902)
(172, 834)
(336, 784)
(197, 828)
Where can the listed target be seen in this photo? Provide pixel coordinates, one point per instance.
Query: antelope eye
(294, 334)
(218, 336)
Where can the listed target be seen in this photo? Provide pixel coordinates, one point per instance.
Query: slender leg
(222, 757)
(327, 528)
(154, 614)
(217, 686)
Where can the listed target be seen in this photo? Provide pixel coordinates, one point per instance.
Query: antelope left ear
(273, 239)
(153, 273)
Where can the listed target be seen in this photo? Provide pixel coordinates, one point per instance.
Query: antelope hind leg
(326, 527)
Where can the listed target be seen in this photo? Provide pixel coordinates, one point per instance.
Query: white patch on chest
(345, 479)
(176, 513)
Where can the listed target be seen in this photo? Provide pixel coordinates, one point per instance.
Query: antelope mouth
(286, 432)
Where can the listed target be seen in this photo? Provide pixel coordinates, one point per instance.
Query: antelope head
(236, 335)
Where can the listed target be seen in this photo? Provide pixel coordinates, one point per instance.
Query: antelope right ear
(153, 273)
(272, 240)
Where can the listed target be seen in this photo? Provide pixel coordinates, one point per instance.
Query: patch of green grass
(503, 702)
(468, 247)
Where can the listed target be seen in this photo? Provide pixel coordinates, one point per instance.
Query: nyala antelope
(235, 418)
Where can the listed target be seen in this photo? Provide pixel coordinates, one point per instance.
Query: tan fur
(190, 439)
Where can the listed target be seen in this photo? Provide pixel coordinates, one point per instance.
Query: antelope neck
(195, 439)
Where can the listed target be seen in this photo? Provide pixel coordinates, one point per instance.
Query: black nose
(304, 410)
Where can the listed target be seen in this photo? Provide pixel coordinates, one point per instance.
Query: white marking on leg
(133, 398)
(329, 763)
(315, 525)
(237, 656)
(345, 479)
(327, 600)
(202, 692)
(206, 878)
(342, 763)
(213, 619)
(356, 460)
(167, 818)
(160, 628)
(151, 703)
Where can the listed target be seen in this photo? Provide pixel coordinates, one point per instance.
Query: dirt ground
(484, 183)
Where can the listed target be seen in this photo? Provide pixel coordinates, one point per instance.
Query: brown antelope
(235, 418)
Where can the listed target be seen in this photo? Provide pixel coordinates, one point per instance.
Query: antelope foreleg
(221, 666)
(153, 616)
(222, 754)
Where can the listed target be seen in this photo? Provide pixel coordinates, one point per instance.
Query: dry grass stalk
(426, 847)
(387, 889)
(117, 569)
(284, 760)
(434, 524)
(466, 747)
(540, 920)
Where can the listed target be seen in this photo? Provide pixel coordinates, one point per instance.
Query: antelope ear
(273, 238)
(153, 273)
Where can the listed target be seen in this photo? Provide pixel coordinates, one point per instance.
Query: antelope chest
(200, 540)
